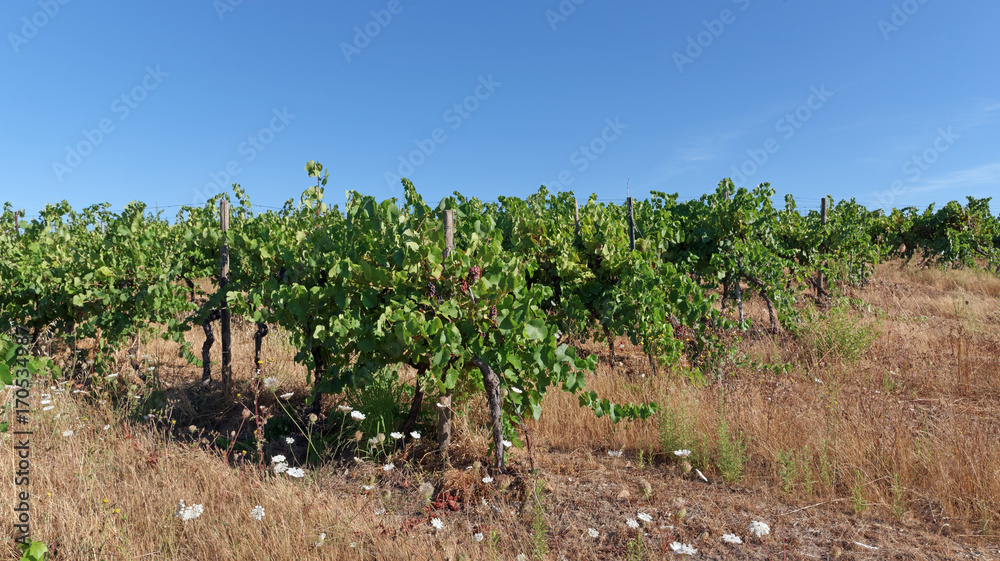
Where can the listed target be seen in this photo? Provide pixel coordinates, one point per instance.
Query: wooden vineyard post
(444, 411)
(227, 367)
(819, 274)
(17, 230)
(631, 226)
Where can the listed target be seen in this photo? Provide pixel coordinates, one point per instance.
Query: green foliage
(617, 412)
(858, 502)
(96, 274)
(369, 288)
(954, 236)
(381, 400)
(731, 452)
(598, 283)
(677, 432)
(34, 551)
(539, 525)
(795, 471)
(838, 334)
(11, 360)
(372, 288)
(898, 504)
(638, 549)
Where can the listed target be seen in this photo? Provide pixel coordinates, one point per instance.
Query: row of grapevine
(375, 286)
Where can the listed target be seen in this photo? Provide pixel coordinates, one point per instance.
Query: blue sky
(896, 103)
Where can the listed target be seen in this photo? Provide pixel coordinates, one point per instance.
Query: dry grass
(896, 447)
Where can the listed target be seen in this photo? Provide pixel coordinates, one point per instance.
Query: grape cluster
(476, 273)
(493, 313)
(432, 288)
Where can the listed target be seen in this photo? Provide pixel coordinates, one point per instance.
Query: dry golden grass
(897, 449)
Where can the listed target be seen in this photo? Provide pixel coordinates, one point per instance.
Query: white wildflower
(380, 512)
(516, 389)
(257, 513)
(593, 533)
(478, 537)
(615, 453)
(506, 443)
(396, 435)
(388, 467)
(321, 540)
(759, 529)
(682, 453)
(190, 512)
(436, 522)
(731, 538)
(345, 409)
(280, 458)
(280, 467)
(296, 472)
(68, 433)
(644, 517)
(632, 523)
(357, 415)
(487, 479)
(289, 440)
(682, 549)
(287, 395)
(415, 435)
(270, 382)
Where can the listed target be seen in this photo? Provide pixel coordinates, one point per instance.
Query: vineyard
(459, 318)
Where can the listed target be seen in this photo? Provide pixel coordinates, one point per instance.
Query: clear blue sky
(893, 102)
